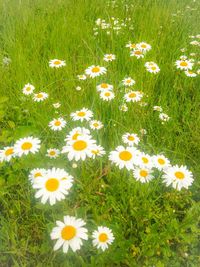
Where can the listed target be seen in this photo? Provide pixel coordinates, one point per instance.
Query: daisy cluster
(114, 25)
(23, 146)
(143, 166)
(162, 116)
(185, 64)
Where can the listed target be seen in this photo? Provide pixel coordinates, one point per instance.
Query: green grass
(153, 225)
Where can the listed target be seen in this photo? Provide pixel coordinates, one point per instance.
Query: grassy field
(153, 225)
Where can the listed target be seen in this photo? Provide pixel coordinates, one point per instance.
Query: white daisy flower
(53, 186)
(130, 139)
(97, 151)
(96, 125)
(190, 73)
(82, 77)
(133, 96)
(27, 145)
(35, 173)
(102, 237)
(128, 81)
(94, 71)
(109, 57)
(56, 105)
(56, 63)
(28, 89)
(153, 69)
(104, 86)
(7, 153)
(76, 133)
(39, 97)
(123, 108)
(161, 162)
(158, 108)
(136, 53)
(53, 153)
(69, 234)
(143, 174)
(178, 177)
(107, 95)
(81, 115)
(163, 117)
(143, 46)
(131, 45)
(144, 160)
(124, 157)
(79, 149)
(184, 64)
(57, 124)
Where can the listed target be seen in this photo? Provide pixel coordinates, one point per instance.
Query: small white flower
(28, 89)
(102, 237)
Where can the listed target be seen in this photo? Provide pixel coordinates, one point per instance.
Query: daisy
(107, 95)
(81, 115)
(102, 237)
(52, 153)
(94, 71)
(158, 108)
(178, 177)
(144, 160)
(123, 108)
(161, 162)
(97, 151)
(163, 117)
(109, 57)
(104, 86)
(7, 153)
(190, 73)
(79, 149)
(78, 88)
(133, 96)
(56, 105)
(39, 97)
(82, 77)
(96, 125)
(69, 234)
(136, 53)
(153, 69)
(128, 81)
(56, 63)
(124, 157)
(28, 89)
(130, 139)
(35, 173)
(76, 133)
(131, 45)
(143, 175)
(53, 186)
(27, 145)
(184, 64)
(143, 46)
(57, 124)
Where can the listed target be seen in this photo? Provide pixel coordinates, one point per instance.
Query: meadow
(149, 218)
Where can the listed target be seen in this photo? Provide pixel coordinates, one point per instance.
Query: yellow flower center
(179, 175)
(52, 153)
(28, 88)
(9, 151)
(40, 95)
(80, 145)
(128, 81)
(131, 138)
(75, 136)
(95, 152)
(145, 160)
(26, 146)
(57, 123)
(133, 45)
(37, 174)
(104, 85)
(153, 68)
(68, 232)
(125, 155)
(143, 46)
(95, 124)
(103, 237)
(143, 173)
(52, 184)
(138, 52)
(132, 95)
(57, 62)
(107, 94)
(81, 114)
(95, 69)
(183, 64)
(161, 161)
